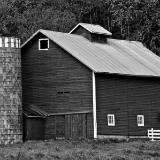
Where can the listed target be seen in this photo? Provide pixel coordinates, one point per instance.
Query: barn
(90, 85)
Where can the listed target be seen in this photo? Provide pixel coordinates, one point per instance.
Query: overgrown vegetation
(131, 19)
(82, 150)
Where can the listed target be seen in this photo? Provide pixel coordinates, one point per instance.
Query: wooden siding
(69, 126)
(127, 97)
(55, 81)
(34, 128)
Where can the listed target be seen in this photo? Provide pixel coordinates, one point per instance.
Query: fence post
(152, 134)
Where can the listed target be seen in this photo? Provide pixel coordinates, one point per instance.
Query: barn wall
(34, 128)
(69, 126)
(126, 97)
(54, 80)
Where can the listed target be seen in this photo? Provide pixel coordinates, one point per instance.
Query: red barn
(91, 85)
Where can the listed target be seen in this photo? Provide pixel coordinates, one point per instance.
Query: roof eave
(129, 75)
(107, 34)
(80, 24)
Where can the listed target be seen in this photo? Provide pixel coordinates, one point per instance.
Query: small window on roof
(43, 44)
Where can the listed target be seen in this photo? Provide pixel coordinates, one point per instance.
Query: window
(111, 120)
(43, 44)
(140, 120)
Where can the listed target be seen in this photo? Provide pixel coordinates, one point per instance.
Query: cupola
(94, 33)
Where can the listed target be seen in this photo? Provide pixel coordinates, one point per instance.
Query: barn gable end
(54, 80)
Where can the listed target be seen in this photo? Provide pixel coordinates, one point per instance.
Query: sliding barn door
(75, 126)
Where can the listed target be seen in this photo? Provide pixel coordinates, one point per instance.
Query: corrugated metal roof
(93, 28)
(115, 57)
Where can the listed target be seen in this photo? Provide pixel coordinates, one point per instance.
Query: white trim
(47, 39)
(12, 42)
(79, 24)
(6, 42)
(83, 25)
(142, 120)
(112, 123)
(1, 42)
(94, 105)
(17, 43)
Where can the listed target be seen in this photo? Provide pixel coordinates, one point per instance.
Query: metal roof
(115, 57)
(93, 28)
(34, 111)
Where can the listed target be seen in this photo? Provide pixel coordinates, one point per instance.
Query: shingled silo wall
(10, 91)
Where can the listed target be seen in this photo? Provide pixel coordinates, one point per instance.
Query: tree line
(132, 19)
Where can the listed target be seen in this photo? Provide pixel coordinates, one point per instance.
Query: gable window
(43, 44)
(111, 119)
(140, 120)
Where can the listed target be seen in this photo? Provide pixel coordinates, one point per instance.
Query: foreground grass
(81, 150)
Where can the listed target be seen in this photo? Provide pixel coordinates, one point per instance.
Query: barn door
(59, 126)
(75, 126)
(34, 128)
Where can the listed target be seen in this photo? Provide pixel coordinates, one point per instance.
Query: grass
(82, 150)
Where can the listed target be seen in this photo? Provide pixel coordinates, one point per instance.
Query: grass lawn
(81, 150)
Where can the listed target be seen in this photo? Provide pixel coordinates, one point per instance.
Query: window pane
(44, 44)
(111, 120)
(140, 120)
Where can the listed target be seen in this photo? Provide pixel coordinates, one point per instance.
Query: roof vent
(92, 32)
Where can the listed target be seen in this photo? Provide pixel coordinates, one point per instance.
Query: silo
(10, 91)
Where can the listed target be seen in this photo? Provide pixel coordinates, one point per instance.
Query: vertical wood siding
(127, 97)
(34, 128)
(69, 126)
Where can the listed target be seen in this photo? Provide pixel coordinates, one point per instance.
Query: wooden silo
(10, 91)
